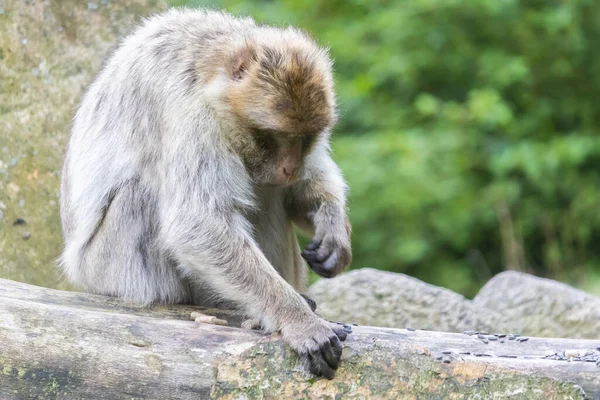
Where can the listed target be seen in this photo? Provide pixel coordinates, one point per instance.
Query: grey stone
(378, 298)
(541, 307)
(49, 51)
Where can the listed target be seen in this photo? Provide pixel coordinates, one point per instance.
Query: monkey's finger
(328, 267)
(318, 365)
(313, 255)
(329, 354)
(320, 270)
(332, 261)
(309, 255)
(337, 326)
(336, 347)
(336, 344)
(313, 245)
(341, 333)
(252, 324)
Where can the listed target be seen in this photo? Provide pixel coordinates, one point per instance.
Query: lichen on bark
(271, 371)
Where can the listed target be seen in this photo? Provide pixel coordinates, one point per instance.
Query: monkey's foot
(341, 323)
(252, 324)
(340, 328)
(311, 303)
(207, 319)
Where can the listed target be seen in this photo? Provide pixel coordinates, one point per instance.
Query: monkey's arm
(206, 231)
(317, 204)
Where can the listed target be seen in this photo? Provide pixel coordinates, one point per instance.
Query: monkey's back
(110, 194)
(146, 113)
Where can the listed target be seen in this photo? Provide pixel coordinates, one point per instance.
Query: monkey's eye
(265, 139)
(308, 141)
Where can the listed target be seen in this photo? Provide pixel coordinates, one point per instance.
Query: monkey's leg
(207, 319)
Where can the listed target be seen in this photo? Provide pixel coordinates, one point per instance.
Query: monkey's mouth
(280, 184)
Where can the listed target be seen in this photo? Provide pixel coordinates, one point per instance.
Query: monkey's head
(279, 92)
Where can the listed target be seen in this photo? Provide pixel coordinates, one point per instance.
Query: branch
(57, 344)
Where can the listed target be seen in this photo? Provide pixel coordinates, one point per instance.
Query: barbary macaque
(196, 149)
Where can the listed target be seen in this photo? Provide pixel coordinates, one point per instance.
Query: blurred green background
(468, 132)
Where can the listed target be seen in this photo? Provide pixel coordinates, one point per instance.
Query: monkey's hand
(254, 324)
(330, 252)
(318, 343)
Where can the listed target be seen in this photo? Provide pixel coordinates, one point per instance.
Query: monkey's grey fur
(162, 197)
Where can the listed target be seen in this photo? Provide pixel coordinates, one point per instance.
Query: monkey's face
(279, 95)
(275, 158)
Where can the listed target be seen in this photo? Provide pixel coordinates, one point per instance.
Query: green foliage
(468, 132)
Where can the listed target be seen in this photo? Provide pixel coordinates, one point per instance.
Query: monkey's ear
(241, 62)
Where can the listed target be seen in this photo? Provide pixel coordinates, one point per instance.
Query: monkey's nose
(288, 172)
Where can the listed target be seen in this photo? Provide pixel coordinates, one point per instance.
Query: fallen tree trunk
(56, 344)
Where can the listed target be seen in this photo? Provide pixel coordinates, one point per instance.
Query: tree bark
(56, 344)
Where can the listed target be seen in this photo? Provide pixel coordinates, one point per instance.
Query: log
(57, 344)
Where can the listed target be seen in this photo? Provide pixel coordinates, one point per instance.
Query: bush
(468, 132)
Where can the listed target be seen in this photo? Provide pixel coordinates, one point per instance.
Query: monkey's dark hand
(329, 253)
(318, 344)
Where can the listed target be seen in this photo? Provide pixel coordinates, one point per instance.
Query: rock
(541, 307)
(378, 298)
(49, 52)
(510, 302)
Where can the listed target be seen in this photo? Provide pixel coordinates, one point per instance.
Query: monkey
(199, 146)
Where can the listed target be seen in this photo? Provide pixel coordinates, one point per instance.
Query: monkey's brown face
(280, 157)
